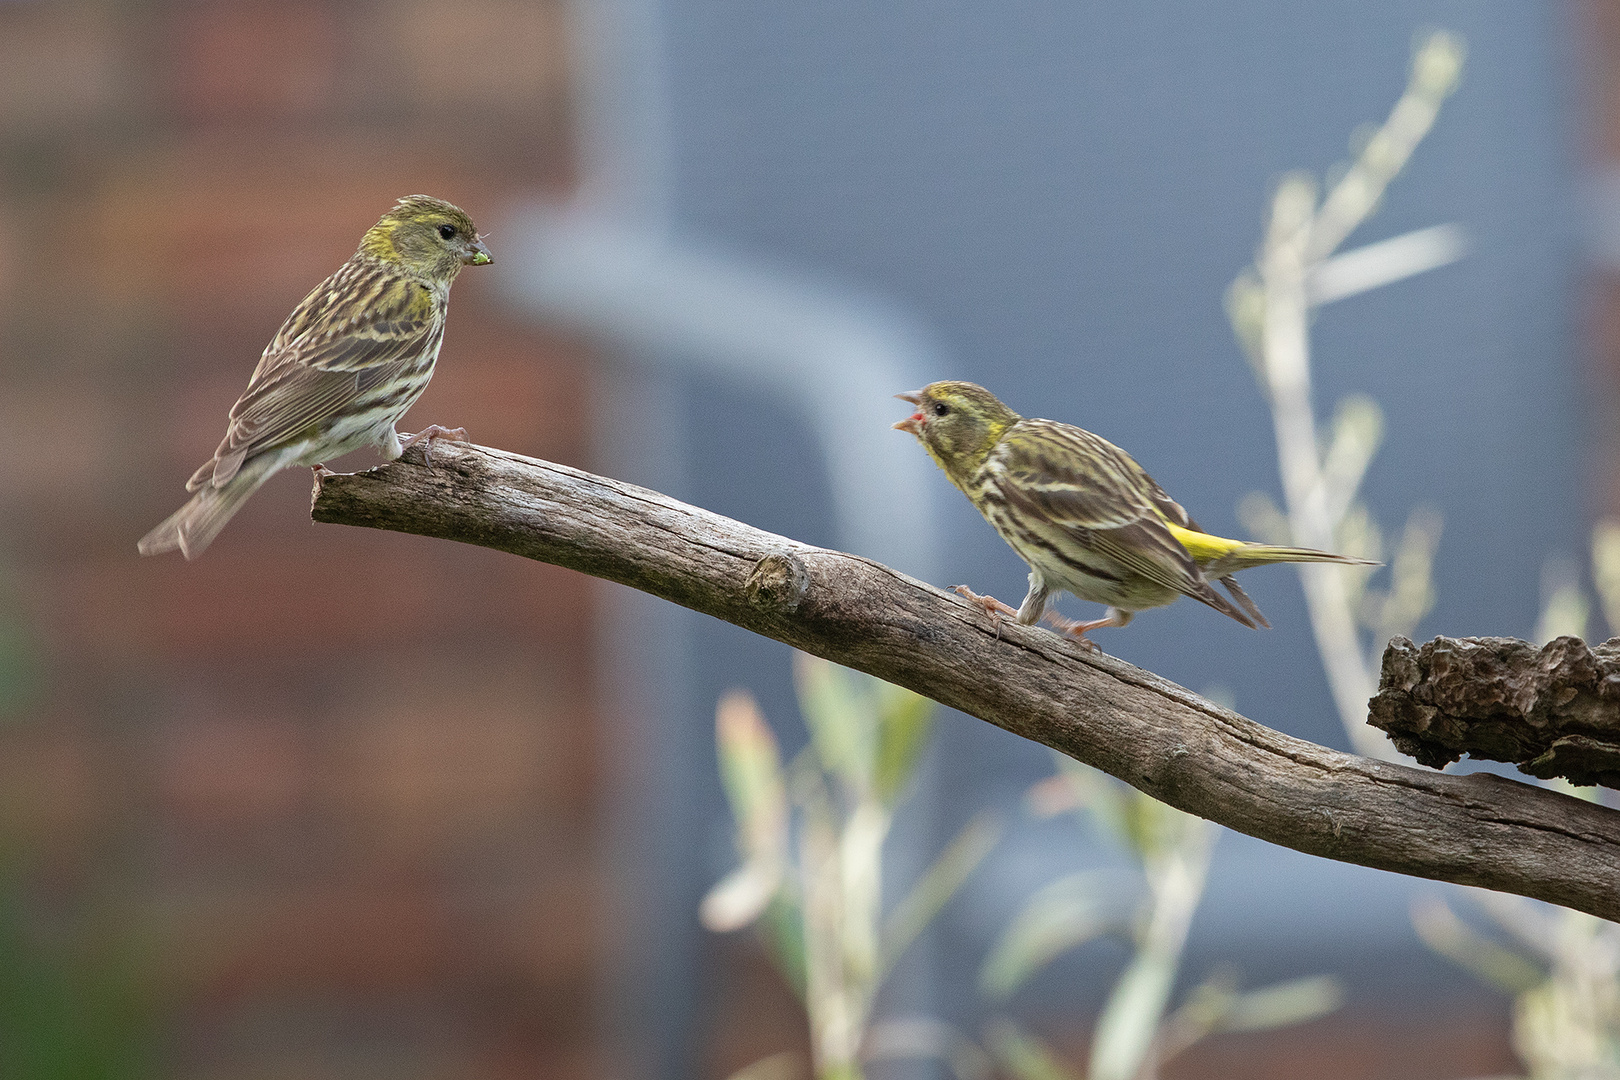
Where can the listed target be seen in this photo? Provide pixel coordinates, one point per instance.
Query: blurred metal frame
(608, 265)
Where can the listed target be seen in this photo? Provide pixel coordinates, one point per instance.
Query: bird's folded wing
(1068, 473)
(316, 374)
(1084, 486)
(363, 316)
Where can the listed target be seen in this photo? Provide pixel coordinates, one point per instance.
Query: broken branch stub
(1554, 711)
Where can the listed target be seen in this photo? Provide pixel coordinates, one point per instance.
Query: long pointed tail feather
(1206, 593)
(1249, 607)
(1219, 556)
(193, 527)
(1242, 558)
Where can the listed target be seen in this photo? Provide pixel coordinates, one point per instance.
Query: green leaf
(783, 930)
(1131, 1017)
(1440, 929)
(1282, 1004)
(842, 725)
(959, 859)
(1061, 915)
(751, 770)
(905, 721)
(1023, 1055)
(741, 896)
(786, 1065)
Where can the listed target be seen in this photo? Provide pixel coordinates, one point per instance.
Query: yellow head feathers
(427, 237)
(958, 423)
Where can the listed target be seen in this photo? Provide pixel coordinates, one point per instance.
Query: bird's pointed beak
(480, 255)
(912, 423)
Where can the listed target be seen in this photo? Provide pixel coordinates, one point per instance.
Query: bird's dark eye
(941, 409)
(447, 231)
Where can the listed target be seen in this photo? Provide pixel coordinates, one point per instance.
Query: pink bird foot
(992, 607)
(426, 437)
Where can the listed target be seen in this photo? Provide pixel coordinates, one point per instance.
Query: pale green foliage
(908, 720)
(811, 839)
(867, 732)
(1216, 1005)
(918, 907)
(751, 770)
(1485, 957)
(1061, 915)
(1564, 606)
(1023, 1055)
(1606, 569)
(1562, 966)
(1270, 304)
(1134, 1035)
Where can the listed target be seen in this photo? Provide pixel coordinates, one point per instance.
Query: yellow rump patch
(1202, 546)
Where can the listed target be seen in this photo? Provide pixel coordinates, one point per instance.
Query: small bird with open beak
(1082, 513)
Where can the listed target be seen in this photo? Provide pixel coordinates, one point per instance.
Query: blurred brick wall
(336, 790)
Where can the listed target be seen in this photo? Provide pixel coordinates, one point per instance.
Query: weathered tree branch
(1477, 830)
(1554, 710)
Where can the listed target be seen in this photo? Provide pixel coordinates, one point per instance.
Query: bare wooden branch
(1477, 830)
(1553, 710)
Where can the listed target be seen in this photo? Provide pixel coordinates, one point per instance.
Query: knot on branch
(1553, 711)
(778, 582)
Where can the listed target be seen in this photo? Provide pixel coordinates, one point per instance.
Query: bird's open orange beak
(912, 423)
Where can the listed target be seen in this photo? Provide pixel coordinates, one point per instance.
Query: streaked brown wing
(1072, 475)
(318, 333)
(1085, 485)
(318, 365)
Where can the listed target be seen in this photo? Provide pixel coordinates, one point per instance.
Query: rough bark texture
(1554, 711)
(1169, 742)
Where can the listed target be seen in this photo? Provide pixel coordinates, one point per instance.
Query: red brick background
(335, 791)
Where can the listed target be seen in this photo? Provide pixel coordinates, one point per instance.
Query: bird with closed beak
(1082, 513)
(350, 359)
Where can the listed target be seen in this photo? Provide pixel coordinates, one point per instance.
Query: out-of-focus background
(339, 803)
